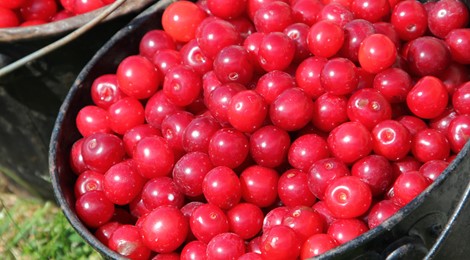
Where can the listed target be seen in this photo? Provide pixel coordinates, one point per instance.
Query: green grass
(34, 229)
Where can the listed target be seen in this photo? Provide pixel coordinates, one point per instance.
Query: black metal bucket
(31, 96)
(434, 224)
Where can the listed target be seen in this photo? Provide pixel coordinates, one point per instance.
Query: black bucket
(31, 96)
(434, 224)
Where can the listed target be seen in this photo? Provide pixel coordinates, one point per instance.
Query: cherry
(104, 232)
(370, 10)
(376, 171)
(304, 221)
(280, 242)
(100, 151)
(369, 107)
(428, 55)
(251, 45)
(308, 76)
(345, 230)
(226, 9)
(92, 119)
(269, 146)
(190, 171)
(432, 169)
(410, 20)
(306, 150)
(454, 76)
(428, 98)
(232, 64)
(228, 147)
(77, 163)
(321, 208)
(198, 133)
(298, 32)
(391, 139)
(348, 197)
(350, 141)
(221, 187)
(394, 84)
(337, 13)
(39, 10)
(250, 256)
(388, 30)
(181, 19)
(245, 220)
(153, 157)
(355, 32)
(461, 99)
(291, 110)
(325, 39)
(153, 41)
(94, 209)
(273, 17)
(376, 53)
(338, 76)
(306, 11)
(293, 189)
(225, 246)
(458, 40)
(247, 111)
(316, 245)
(161, 191)
(173, 127)
(276, 51)
(259, 185)
(458, 132)
(430, 144)
(447, 15)
(193, 57)
(412, 123)
(11, 4)
(126, 114)
(194, 250)
(322, 173)
(380, 212)
(88, 181)
(329, 111)
(273, 83)
(166, 59)
(274, 217)
(164, 229)
(127, 241)
(441, 122)
(138, 77)
(207, 221)
(8, 18)
(85, 6)
(105, 91)
(407, 186)
(215, 34)
(122, 183)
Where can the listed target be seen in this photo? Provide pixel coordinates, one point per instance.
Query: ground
(31, 228)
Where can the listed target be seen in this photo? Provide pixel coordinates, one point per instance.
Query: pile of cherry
(262, 129)
(14, 13)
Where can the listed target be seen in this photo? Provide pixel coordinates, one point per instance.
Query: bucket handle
(62, 41)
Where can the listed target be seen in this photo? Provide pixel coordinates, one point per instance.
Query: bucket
(422, 228)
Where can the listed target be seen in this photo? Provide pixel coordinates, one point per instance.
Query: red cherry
(181, 19)
(164, 229)
(345, 230)
(348, 197)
